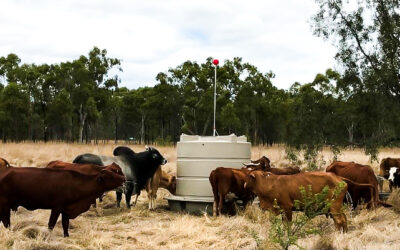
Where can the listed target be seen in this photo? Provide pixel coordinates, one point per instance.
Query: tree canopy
(355, 105)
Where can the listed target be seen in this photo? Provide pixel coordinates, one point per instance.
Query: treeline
(79, 101)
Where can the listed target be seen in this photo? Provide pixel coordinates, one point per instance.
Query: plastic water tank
(197, 156)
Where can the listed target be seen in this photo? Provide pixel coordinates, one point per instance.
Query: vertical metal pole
(215, 97)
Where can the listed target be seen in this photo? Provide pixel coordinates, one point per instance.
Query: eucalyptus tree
(367, 35)
(88, 77)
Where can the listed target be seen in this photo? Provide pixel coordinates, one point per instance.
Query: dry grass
(108, 227)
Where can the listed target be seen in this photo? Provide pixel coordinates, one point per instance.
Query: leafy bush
(286, 233)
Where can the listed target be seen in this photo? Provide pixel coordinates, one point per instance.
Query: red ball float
(215, 62)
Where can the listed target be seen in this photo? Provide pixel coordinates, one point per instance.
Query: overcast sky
(153, 36)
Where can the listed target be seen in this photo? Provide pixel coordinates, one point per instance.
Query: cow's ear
(146, 147)
(252, 175)
(100, 178)
(102, 175)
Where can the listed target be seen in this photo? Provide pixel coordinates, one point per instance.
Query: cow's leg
(150, 203)
(153, 184)
(137, 196)
(119, 198)
(339, 218)
(216, 202)
(128, 193)
(215, 207)
(5, 217)
(154, 200)
(53, 218)
(390, 186)
(149, 191)
(221, 199)
(288, 214)
(65, 224)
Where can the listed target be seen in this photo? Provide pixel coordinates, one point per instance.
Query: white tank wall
(199, 155)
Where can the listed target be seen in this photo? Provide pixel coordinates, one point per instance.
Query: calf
(226, 180)
(286, 189)
(66, 192)
(160, 179)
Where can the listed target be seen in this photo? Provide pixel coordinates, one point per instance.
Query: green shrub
(286, 233)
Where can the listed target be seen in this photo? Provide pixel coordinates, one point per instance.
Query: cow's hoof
(66, 235)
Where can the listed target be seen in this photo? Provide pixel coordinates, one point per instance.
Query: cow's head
(156, 156)
(261, 164)
(110, 180)
(394, 174)
(114, 167)
(250, 180)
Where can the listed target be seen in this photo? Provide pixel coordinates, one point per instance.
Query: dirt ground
(109, 227)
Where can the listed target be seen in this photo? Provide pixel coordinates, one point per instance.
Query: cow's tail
(214, 185)
(373, 190)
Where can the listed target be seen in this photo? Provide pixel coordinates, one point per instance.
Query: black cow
(137, 168)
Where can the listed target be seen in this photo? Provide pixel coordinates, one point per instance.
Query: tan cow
(285, 189)
(160, 179)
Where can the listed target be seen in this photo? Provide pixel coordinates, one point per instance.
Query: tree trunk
(142, 130)
(206, 125)
(116, 129)
(82, 119)
(350, 133)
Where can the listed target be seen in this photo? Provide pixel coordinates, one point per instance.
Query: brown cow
(85, 169)
(65, 192)
(388, 168)
(285, 189)
(362, 174)
(264, 164)
(160, 179)
(228, 180)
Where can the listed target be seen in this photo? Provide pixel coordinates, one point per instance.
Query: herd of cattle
(70, 189)
(282, 185)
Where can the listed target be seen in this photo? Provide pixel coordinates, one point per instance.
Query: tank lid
(219, 138)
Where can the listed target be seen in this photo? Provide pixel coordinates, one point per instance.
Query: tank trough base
(200, 205)
(190, 204)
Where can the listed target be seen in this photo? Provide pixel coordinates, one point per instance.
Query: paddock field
(107, 227)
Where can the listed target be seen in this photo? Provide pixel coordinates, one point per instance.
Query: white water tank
(197, 156)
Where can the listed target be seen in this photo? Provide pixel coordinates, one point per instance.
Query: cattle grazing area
(109, 227)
